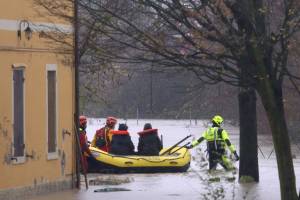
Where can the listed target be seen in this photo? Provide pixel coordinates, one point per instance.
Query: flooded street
(196, 183)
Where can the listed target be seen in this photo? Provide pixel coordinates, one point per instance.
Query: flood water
(196, 183)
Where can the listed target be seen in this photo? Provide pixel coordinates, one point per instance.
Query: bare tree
(230, 41)
(98, 74)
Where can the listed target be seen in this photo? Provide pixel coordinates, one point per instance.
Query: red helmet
(82, 120)
(111, 121)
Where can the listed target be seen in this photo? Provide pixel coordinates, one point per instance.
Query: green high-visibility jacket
(215, 134)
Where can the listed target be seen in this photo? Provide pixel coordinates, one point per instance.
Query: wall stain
(7, 159)
(4, 127)
(32, 155)
(6, 140)
(63, 163)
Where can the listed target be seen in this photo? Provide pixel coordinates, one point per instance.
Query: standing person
(84, 142)
(121, 143)
(149, 142)
(103, 136)
(217, 140)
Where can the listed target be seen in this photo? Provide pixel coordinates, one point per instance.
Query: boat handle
(173, 163)
(128, 163)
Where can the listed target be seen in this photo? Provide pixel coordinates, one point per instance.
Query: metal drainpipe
(76, 65)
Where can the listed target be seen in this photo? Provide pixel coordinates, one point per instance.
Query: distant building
(36, 101)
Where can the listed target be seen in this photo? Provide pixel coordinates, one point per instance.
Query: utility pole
(219, 109)
(76, 90)
(78, 154)
(137, 115)
(151, 90)
(190, 113)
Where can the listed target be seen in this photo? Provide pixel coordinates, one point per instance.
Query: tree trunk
(271, 96)
(248, 134)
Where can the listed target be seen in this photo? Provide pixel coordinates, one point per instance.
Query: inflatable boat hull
(104, 162)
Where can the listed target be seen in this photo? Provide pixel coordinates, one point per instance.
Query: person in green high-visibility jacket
(217, 140)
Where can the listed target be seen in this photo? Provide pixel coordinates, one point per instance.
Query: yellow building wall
(28, 10)
(35, 54)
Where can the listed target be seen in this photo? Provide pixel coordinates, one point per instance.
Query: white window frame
(19, 159)
(52, 155)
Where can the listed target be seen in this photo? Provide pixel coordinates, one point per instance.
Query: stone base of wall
(25, 192)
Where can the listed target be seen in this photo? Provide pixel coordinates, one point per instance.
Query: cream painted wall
(35, 54)
(39, 168)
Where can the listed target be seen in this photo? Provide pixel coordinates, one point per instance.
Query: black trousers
(216, 157)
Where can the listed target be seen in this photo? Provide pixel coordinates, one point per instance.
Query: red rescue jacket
(84, 141)
(148, 131)
(119, 132)
(102, 139)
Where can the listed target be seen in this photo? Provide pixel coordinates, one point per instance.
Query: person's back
(149, 142)
(217, 140)
(102, 137)
(121, 143)
(101, 140)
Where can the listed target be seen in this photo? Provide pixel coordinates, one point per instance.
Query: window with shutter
(52, 112)
(18, 112)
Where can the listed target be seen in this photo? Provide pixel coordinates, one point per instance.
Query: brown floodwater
(196, 183)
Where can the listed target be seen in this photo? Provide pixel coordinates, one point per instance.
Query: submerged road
(196, 183)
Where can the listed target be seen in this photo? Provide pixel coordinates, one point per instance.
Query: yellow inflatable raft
(104, 162)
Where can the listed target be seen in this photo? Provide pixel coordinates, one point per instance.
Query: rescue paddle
(179, 148)
(172, 147)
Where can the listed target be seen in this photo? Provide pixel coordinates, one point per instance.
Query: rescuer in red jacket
(103, 136)
(84, 142)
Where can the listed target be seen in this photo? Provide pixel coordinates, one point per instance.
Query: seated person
(121, 143)
(149, 142)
